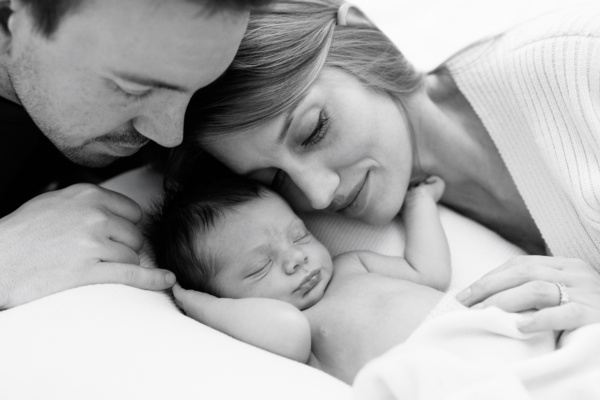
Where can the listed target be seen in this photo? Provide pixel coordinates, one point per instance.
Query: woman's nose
(318, 185)
(295, 260)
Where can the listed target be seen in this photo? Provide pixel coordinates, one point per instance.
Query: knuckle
(538, 289)
(131, 275)
(525, 270)
(98, 219)
(519, 260)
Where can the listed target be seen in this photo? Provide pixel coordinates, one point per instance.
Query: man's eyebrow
(146, 81)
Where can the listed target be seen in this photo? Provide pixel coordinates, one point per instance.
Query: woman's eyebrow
(289, 118)
(286, 125)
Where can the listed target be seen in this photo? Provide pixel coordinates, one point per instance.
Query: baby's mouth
(309, 282)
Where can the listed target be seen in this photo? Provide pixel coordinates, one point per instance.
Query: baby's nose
(296, 261)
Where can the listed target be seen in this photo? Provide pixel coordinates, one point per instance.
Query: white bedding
(480, 354)
(116, 342)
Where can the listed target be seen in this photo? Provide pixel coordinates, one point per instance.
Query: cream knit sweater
(537, 90)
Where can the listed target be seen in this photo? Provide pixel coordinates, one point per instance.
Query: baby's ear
(350, 15)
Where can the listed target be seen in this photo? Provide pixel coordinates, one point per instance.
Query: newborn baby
(272, 284)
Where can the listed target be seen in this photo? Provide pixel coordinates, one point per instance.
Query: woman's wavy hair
(286, 46)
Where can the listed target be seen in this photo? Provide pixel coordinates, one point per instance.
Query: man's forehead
(139, 10)
(153, 43)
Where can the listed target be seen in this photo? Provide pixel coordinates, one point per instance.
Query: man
(95, 81)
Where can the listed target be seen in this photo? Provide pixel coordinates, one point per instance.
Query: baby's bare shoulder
(349, 263)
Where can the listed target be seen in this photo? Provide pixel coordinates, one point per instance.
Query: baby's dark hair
(178, 224)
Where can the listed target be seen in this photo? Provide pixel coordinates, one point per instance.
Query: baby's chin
(314, 296)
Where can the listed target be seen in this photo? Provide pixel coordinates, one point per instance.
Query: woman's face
(344, 148)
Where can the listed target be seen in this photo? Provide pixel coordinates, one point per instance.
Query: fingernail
(464, 295)
(170, 278)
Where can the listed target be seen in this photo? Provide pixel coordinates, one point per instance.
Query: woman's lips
(352, 206)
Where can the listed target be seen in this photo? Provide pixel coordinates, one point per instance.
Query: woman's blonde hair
(285, 48)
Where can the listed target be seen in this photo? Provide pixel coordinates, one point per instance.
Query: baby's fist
(432, 186)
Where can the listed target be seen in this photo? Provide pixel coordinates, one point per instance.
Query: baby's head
(239, 239)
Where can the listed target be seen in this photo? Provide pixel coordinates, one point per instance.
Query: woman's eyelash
(315, 137)
(318, 133)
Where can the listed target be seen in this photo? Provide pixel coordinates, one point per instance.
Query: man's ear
(350, 15)
(6, 13)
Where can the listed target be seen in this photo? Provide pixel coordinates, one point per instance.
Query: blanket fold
(481, 354)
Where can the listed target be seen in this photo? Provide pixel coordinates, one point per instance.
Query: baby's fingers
(192, 303)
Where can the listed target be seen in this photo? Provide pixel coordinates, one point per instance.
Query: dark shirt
(31, 165)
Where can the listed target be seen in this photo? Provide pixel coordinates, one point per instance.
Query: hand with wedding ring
(565, 291)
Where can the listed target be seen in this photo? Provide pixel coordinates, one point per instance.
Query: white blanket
(482, 355)
(117, 342)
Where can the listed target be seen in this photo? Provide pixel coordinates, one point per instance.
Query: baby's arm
(270, 324)
(426, 254)
(426, 249)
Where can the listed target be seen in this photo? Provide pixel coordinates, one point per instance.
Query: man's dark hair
(177, 225)
(48, 14)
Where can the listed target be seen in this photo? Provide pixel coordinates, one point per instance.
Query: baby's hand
(433, 186)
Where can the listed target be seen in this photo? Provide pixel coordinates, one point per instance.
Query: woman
(320, 105)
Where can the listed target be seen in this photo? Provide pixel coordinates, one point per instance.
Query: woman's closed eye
(319, 132)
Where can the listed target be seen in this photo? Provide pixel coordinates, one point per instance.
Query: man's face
(118, 73)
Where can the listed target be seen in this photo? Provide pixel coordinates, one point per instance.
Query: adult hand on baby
(531, 283)
(73, 237)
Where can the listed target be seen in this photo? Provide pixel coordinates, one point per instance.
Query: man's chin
(91, 160)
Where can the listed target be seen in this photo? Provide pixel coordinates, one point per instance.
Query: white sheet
(482, 355)
(116, 342)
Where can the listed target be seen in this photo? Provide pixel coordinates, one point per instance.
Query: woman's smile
(355, 202)
(360, 166)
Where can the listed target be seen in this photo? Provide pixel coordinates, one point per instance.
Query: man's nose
(162, 121)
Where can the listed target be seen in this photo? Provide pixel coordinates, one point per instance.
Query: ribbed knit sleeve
(537, 91)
